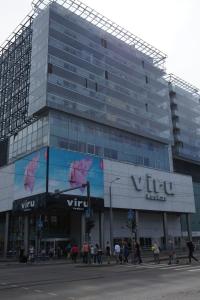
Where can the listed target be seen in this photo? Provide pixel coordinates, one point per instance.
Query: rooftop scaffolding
(96, 19)
(107, 25)
(177, 81)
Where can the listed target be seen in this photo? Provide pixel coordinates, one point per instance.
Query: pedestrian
(156, 253)
(191, 249)
(74, 253)
(92, 254)
(117, 252)
(125, 252)
(31, 256)
(172, 253)
(51, 252)
(137, 253)
(85, 251)
(99, 254)
(121, 255)
(68, 249)
(108, 252)
(95, 254)
(22, 256)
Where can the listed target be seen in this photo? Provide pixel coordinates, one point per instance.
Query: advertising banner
(30, 174)
(68, 170)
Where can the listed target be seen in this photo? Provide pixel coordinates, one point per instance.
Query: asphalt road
(119, 282)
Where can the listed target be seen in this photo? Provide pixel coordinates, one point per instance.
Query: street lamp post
(111, 212)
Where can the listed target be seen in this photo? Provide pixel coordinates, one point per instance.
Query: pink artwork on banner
(29, 174)
(101, 164)
(78, 172)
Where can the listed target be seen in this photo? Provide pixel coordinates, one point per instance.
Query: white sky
(172, 26)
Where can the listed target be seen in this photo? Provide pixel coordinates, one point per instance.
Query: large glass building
(85, 103)
(185, 110)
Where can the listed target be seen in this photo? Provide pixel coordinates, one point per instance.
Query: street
(74, 282)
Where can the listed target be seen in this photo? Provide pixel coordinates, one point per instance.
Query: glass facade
(185, 107)
(38, 71)
(112, 99)
(195, 218)
(88, 137)
(31, 138)
(103, 79)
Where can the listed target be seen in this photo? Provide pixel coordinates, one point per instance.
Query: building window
(110, 153)
(106, 74)
(146, 79)
(96, 87)
(50, 68)
(104, 43)
(86, 83)
(143, 63)
(90, 148)
(146, 107)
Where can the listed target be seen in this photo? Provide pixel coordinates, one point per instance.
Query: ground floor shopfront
(31, 214)
(52, 231)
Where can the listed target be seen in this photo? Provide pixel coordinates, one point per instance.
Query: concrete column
(137, 221)
(165, 230)
(188, 224)
(82, 229)
(26, 234)
(6, 234)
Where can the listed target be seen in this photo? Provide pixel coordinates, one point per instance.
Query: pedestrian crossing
(164, 267)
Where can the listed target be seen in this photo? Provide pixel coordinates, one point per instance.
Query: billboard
(30, 174)
(68, 170)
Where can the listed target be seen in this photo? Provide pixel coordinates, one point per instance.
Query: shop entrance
(54, 247)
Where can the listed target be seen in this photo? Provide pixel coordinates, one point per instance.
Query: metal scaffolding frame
(15, 63)
(15, 60)
(177, 81)
(92, 16)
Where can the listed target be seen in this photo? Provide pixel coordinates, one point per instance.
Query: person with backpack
(191, 249)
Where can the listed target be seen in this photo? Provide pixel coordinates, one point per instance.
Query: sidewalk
(147, 257)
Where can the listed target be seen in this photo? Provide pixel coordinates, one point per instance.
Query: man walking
(108, 252)
(191, 248)
(137, 253)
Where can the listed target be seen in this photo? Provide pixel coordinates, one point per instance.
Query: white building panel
(147, 189)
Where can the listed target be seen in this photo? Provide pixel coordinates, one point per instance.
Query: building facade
(185, 112)
(83, 100)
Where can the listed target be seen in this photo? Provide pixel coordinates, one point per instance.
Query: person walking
(156, 253)
(85, 251)
(91, 254)
(171, 250)
(125, 252)
(117, 252)
(108, 252)
(99, 254)
(137, 253)
(95, 254)
(191, 249)
(74, 253)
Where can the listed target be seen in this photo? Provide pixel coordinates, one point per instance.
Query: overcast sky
(172, 26)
